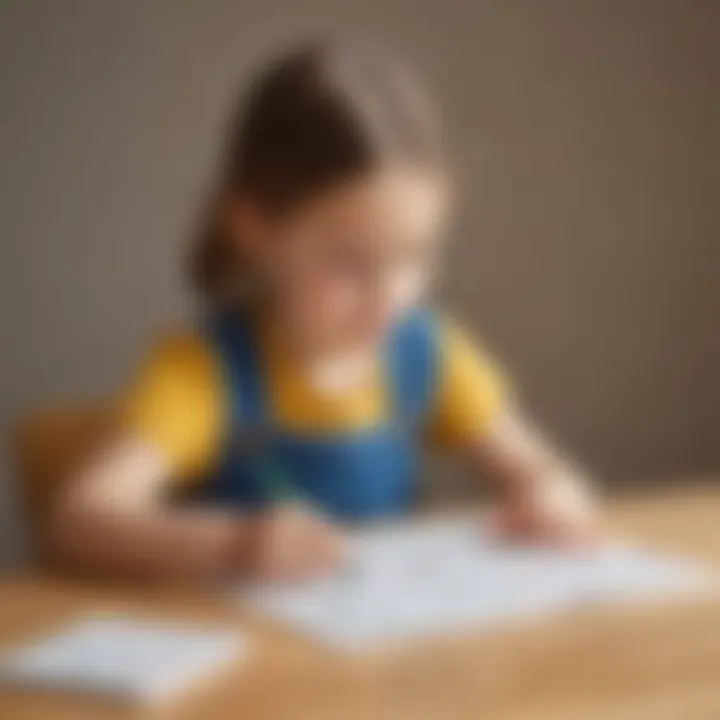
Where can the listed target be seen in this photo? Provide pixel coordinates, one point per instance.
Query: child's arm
(113, 519)
(544, 496)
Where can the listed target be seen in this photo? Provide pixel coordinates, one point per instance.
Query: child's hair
(319, 116)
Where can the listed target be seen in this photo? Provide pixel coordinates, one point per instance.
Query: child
(300, 400)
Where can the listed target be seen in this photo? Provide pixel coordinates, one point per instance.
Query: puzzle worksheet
(423, 579)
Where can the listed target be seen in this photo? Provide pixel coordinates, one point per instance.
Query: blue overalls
(349, 475)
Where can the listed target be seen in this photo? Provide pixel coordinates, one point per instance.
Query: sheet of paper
(437, 577)
(126, 659)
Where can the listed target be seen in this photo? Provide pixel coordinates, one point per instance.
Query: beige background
(586, 252)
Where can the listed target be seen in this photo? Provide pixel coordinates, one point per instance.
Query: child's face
(346, 264)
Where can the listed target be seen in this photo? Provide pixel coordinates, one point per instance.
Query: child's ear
(245, 226)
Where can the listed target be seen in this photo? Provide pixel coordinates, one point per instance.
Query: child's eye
(357, 264)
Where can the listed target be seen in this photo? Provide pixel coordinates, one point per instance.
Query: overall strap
(249, 434)
(232, 338)
(413, 363)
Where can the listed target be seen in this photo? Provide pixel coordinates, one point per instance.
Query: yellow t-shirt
(177, 401)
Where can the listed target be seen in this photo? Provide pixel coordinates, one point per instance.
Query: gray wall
(586, 252)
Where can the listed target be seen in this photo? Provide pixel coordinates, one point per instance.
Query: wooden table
(660, 663)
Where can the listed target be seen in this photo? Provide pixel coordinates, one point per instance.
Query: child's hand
(545, 498)
(557, 511)
(289, 543)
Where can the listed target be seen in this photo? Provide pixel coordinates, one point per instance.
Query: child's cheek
(337, 302)
(327, 305)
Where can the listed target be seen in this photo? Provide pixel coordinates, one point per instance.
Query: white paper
(127, 659)
(432, 578)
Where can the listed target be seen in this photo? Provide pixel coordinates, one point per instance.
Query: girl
(300, 401)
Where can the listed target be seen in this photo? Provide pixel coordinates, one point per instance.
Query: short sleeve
(470, 390)
(174, 403)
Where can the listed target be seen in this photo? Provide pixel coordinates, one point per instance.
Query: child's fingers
(299, 547)
(325, 548)
(569, 531)
(525, 525)
(510, 525)
(276, 547)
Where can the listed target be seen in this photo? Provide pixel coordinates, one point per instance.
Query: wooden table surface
(659, 663)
